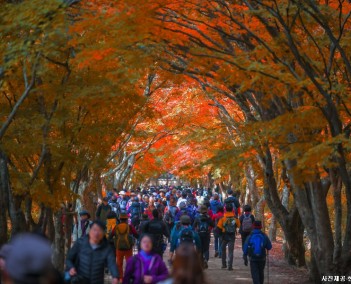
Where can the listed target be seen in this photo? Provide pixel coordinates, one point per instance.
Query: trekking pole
(267, 266)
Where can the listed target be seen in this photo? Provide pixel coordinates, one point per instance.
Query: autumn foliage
(253, 95)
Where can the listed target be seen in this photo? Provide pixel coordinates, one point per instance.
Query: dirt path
(279, 271)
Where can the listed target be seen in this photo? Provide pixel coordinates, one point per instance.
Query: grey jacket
(91, 263)
(77, 231)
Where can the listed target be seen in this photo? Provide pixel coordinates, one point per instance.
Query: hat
(203, 209)
(105, 199)
(257, 225)
(29, 258)
(182, 205)
(84, 212)
(122, 192)
(123, 216)
(162, 190)
(185, 220)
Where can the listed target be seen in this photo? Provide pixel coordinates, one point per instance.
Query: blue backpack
(135, 210)
(256, 246)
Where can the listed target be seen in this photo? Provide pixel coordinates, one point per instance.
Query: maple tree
(247, 94)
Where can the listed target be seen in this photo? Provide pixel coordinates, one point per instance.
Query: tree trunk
(4, 196)
(18, 220)
(311, 204)
(289, 220)
(59, 242)
(273, 229)
(337, 184)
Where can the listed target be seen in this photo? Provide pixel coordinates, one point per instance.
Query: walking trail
(279, 271)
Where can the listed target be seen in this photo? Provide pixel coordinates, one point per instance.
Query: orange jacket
(222, 221)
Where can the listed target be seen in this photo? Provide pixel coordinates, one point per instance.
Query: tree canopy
(250, 95)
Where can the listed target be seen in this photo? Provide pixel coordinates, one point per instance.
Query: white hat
(122, 192)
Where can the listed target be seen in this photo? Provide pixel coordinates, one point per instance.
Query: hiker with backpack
(246, 222)
(144, 220)
(135, 211)
(157, 229)
(217, 232)
(124, 241)
(214, 203)
(231, 199)
(145, 267)
(103, 210)
(255, 247)
(184, 233)
(82, 227)
(202, 225)
(227, 226)
(122, 201)
(170, 213)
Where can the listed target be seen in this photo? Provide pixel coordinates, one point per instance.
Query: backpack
(124, 241)
(246, 224)
(186, 235)
(230, 226)
(231, 200)
(135, 210)
(169, 217)
(256, 246)
(155, 228)
(203, 228)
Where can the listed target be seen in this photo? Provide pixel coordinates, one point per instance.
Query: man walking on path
(246, 222)
(82, 227)
(227, 226)
(202, 225)
(256, 246)
(103, 210)
(231, 199)
(124, 241)
(157, 229)
(87, 259)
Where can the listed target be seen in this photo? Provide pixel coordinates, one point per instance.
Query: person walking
(202, 225)
(170, 213)
(157, 229)
(231, 199)
(184, 233)
(217, 232)
(124, 242)
(82, 227)
(103, 210)
(246, 222)
(255, 247)
(227, 226)
(87, 259)
(214, 203)
(145, 267)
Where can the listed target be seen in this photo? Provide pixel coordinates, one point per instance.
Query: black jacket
(91, 263)
(157, 228)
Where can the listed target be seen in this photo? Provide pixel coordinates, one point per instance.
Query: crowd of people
(132, 230)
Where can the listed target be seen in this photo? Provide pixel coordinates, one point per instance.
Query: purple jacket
(135, 270)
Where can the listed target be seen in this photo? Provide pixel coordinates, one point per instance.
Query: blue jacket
(214, 204)
(267, 245)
